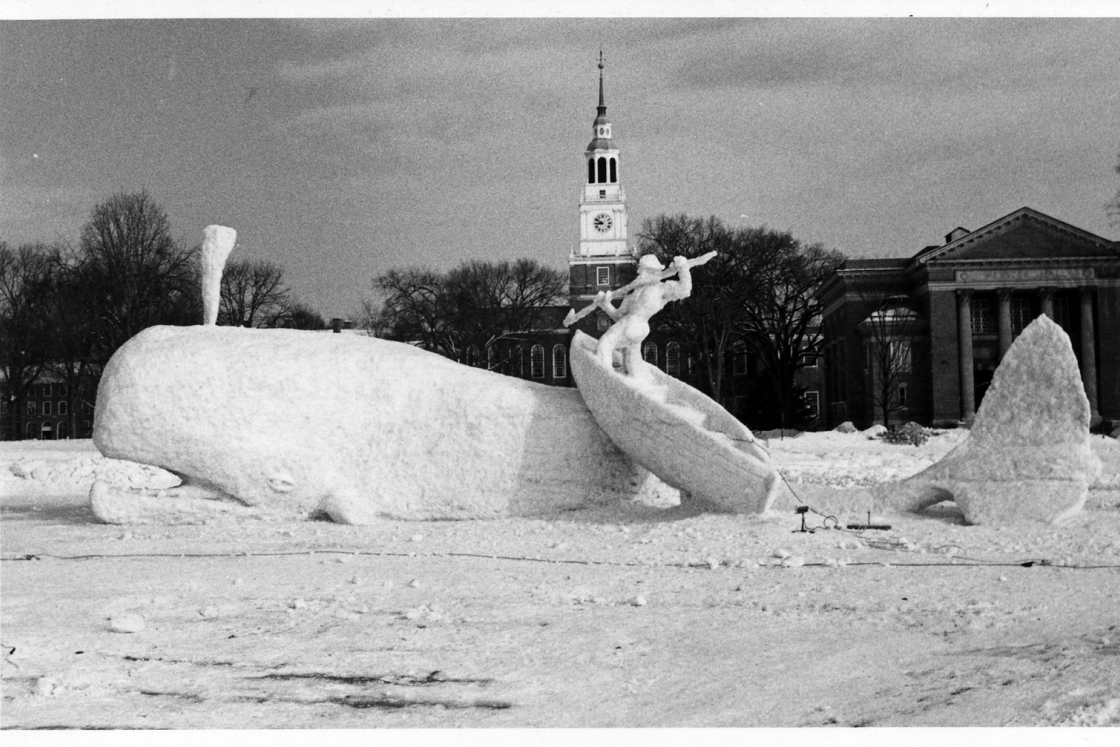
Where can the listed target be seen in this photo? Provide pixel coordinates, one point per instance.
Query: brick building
(604, 260)
(50, 410)
(953, 309)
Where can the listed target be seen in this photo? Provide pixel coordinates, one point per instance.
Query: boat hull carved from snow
(676, 432)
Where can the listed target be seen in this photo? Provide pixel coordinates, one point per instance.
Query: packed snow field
(630, 615)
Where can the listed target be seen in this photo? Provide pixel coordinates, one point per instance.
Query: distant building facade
(957, 307)
(50, 410)
(604, 260)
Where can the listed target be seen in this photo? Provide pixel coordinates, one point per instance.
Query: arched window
(47, 433)
(649, 353)
(536, 361)
(602, 169)
(63, 429)
(518, 358)
(591, 171)
(29, 430)
(673, 359)
(559, 362)
(472, 356)
(614, 171)
(491, 358)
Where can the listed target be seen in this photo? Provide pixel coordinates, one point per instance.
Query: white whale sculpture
(298, 423)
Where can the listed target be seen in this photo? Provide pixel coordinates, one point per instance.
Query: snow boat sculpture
(671, 429)
(676, 432)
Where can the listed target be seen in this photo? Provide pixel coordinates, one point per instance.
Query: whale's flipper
(185, 504)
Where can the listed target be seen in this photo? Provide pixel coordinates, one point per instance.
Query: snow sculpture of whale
(1028, 456)
(301, 423)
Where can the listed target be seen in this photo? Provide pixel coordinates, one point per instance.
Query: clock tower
(603, 260)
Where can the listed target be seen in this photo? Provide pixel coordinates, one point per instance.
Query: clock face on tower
(602, 223)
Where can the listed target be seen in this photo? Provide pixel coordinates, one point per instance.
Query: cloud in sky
(340, 148)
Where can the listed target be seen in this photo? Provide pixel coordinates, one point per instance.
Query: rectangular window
(602, 322)
(900, 357)
(813, 403)
(1020, 314)
(602, 276)
(808, 361)
(86, 429)
(602, 194)
(47, 408)
(981, 316)
(536, 361)
(60, 389)
(63, 408)
(903, 395)
(738, 364)
(559, 362)
(1061, 312)
(46, 390)
(673, 359)
(31, 408)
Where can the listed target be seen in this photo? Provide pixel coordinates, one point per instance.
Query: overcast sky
(339, 149)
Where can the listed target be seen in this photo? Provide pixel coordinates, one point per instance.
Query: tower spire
(602, 100)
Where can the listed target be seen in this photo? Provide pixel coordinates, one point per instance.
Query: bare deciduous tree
(253, 294)
(26, 277)
(889, 331)
(706, 322)
(137, 275)
(296, 315)
(494, 300)
(783, 319)
(417, 307)
(472, 306)
(758, 293)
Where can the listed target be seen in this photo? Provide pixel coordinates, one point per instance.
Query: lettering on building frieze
(1028, 275)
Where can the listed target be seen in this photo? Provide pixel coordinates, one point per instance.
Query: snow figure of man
(632, 317)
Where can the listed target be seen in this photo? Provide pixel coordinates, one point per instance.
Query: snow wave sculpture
(1028, 456)
(302, 423)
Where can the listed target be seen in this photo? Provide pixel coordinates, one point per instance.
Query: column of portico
(1004, 320)
(964, 342)
(1047, 295)
(1089, 353)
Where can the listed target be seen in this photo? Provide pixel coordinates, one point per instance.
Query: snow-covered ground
(630, 615)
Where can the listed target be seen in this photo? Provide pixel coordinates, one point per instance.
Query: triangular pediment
(1024, 234)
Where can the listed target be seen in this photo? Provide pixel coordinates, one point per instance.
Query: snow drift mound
(36, 474)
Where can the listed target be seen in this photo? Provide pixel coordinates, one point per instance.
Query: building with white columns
(965, 302)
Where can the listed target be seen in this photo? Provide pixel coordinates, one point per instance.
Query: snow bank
(64, 466)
